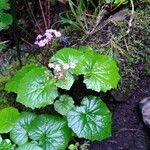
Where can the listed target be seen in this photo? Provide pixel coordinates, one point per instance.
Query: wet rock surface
(129, 130)
(145, 110)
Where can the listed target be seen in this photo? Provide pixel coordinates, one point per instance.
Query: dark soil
(130, 133)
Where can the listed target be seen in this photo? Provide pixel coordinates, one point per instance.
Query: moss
(5, 100)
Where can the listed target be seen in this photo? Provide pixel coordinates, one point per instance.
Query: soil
(130, 133)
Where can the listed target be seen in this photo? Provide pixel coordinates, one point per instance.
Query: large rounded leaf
(64, 104)
(92, 120)
(12, 85)
(8, 118)
(68, 55)
(100, 72)
(52, 132)
(29, 146)
(19, 133)
(36, 90)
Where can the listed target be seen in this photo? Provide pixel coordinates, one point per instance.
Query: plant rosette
(37, 86)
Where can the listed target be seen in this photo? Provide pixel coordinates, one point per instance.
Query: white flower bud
(65, 66)
(51, 65)
(57, 67)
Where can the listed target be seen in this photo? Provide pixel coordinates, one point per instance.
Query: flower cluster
(60, 69)
(42, 40)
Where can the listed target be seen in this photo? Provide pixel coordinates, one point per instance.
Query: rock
(145, 110)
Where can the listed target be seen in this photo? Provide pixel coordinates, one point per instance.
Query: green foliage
(52, 132)
(36, 87)
(78, 15)
(19, 133)
(29, 146)
(66, 82)
(35, 90)
(68, 55)
(64, 104)
(32, 87)
(84, 14)
(8, 118)
(92, 120)
(118, 2)
(5, 18)
(100, 72)
(5, 144)
(46, 131)
(12, 85)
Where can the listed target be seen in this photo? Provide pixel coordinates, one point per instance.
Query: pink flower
(55, 32)
(65, 66)
(39, 37)
(51, 65)
(41, 43)
(57, 68)
(48, 36)
(42, 40)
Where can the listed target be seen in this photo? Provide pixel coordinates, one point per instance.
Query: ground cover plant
(37, 86)
(68, 74)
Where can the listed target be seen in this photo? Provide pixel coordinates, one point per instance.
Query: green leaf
(29, 146)
(85, 49)
(5, 20)
(8, 118)
(12, 85)
(66, 82)
(52, 132)
(118, 2)
(19, 134)
(64, 104)
(4, 4)
(100, 72)
(6, 145)
(69, 21)
(92, 120)
(68, 55)
(36, 90)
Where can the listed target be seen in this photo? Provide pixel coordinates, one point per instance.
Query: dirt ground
(129, 131)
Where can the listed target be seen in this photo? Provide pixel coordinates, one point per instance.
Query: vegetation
(53, 52)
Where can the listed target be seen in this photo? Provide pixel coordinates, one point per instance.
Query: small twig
(125, 41)
(43, 13)
(126, 129)
(98, 20)
(87, 36)
(30, 12)
(131, 18)
(48, 17)
(31, 45)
